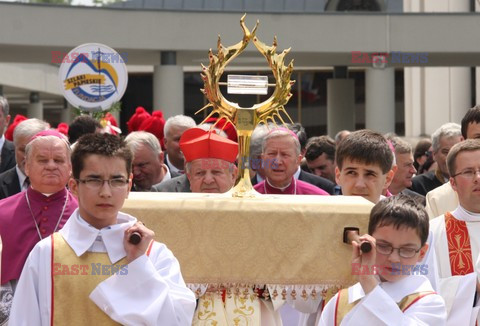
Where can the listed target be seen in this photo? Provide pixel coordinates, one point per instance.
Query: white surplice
(379, 307)
(458, 291)
(441, 200)
(152, 293)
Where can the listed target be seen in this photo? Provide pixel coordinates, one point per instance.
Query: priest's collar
(462, 214)
(278, 188)
(35, 195)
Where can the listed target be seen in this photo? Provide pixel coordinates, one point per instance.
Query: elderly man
(320, 156)
(444, 198)
(281, 159)
(405, 171)
(174, 128)
(29, 216)
(7, 157)
(14, 180)
(210, 161)
(455, 237)
(148, 167)
(442, 140)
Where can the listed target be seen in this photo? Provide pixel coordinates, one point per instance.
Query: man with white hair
(173, 130)
(147, 166)
(28, 217)
(442, 140)
(15, 180)
(281, 156)
(7, 150)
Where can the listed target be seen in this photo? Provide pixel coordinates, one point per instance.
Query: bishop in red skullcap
(209, 160)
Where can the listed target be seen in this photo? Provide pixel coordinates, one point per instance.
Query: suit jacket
(425, 182)
(9, 184)
(313, 179)
(7, 156)
(177, 184)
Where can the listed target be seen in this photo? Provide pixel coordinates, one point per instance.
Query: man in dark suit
(14, 179)
(9, 184)
(7, 156)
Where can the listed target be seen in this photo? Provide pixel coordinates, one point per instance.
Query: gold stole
(74, 278)
(459, 249)
(238, 309)
(343, 307)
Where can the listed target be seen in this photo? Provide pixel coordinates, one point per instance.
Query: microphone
(135, 238)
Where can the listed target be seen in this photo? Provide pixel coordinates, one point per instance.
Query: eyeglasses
(403, 252)
(96, 183)
(468, 174)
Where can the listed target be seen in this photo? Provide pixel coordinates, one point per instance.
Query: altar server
(90, 273)
(391, 290)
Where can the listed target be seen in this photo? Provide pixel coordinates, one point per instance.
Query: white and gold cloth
(289, 243)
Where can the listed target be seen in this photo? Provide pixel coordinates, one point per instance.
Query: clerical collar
(462, 214)
(281, 189)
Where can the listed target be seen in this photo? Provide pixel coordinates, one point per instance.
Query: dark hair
(420, 149)
(316, 146)
(301, 134)
(82, 125)
(101, 144)
(468, 145)
(472, 115)
(400, 211)
(365, 146)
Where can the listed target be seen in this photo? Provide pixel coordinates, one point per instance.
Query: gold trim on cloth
(276, 240)
(73, 274)
(238, 309)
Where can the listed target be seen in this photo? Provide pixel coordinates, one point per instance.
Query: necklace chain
(33, 216)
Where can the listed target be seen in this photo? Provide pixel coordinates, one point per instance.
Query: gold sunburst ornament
(245, 119)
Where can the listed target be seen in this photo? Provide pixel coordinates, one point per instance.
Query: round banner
(93, 77)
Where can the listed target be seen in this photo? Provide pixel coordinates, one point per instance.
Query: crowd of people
(62, 189)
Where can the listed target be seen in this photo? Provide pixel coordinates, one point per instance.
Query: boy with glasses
(455, 237)
(391, 289)
(89, 273)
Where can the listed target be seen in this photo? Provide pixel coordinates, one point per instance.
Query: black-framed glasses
(404, 252)
(96, 183)
(468, 173)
